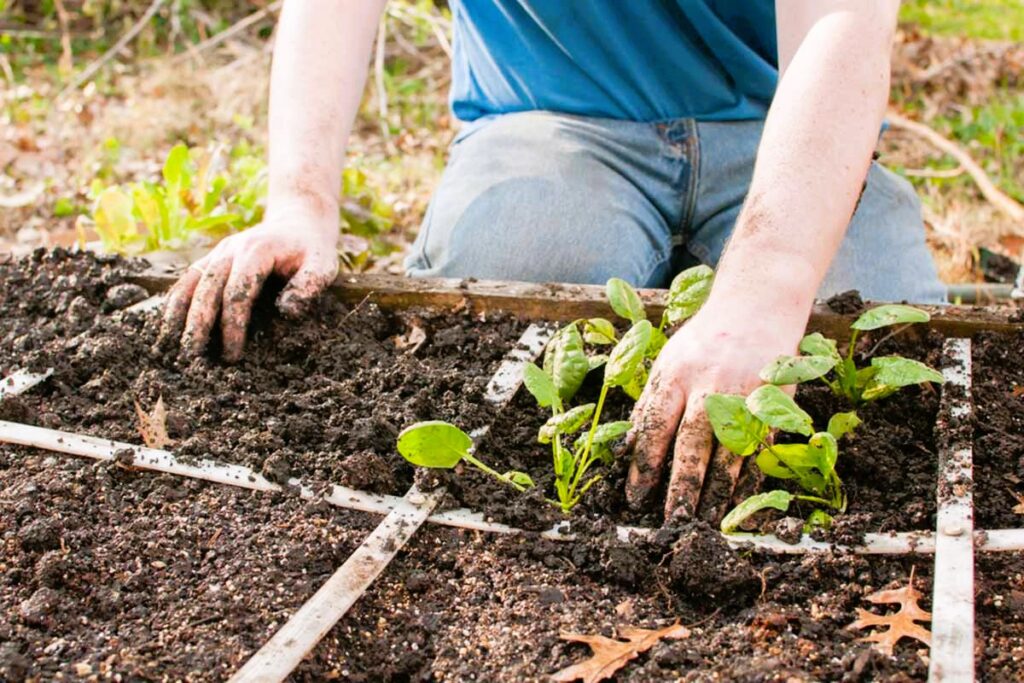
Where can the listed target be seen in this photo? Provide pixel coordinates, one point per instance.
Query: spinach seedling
(442, 445)
(566, 365)
(820, 359)
(743, 426)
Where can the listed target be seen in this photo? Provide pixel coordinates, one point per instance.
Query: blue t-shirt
(641, 60)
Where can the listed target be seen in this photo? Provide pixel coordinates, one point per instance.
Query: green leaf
(598, 331)
(565, 362)
(656, 344)
(769, 463)
(778, 500)
(520, 478)
(818, 519)
(597, 361)
(540, 385)
(624, 300)
(776, 409)
(795, 456)
(796, 369)
(822, 447)
(627, 356)
(889, 314)
(176, 169)
(817, 344)
(890, 373)
(900, 372)
(434, 444)
(687, 293)
(568, 422)
(605, 437)
(841, 424)
(637, 384)
(735, 427)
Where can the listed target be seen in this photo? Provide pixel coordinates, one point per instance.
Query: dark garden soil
(998, 378)
(323, 399)
(999, 605)
(153, 577)
(106, 570)
(461, 607)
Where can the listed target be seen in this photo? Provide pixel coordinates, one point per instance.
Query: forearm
(319, 71)
(814, 156)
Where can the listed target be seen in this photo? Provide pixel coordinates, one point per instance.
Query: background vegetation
(84, 135)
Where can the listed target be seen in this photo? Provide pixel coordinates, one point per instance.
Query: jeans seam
(690, 198)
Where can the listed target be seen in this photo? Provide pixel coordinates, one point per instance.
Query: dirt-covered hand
(298, 246)
(715, 352)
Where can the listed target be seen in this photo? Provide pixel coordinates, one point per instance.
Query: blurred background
(140, 127)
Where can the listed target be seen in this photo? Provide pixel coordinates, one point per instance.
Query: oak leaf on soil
(153, 425)
(901, 624)
(611, 654)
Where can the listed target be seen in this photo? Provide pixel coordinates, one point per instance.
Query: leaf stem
(468, 457)
(583, 463)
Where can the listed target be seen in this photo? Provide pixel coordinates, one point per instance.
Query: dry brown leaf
(611, 654)
(153, 426)
(412, 340)
(1019, 507)
(901, 624)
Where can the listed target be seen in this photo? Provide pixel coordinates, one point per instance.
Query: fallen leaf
(412, 340)
(901, 624)
(611, 654)
(1019, 507)
(153, 426)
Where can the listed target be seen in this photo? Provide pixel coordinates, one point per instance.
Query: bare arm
(320, 64)
(818, 140)
(814, 155)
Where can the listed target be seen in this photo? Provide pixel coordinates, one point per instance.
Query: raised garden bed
(454, 605)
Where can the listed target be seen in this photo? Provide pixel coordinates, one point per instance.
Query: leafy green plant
(149, 216)
(566, 365)
(441, 445)
(555, 383)
(884, 376)
(743, 425)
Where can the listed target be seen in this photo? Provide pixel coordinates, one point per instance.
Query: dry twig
(128, 37)
(988, 189)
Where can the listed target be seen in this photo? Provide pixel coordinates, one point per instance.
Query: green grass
(991, 133)
(985, 19)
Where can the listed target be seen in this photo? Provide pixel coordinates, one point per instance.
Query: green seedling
(579, 440)
(566, 365)
(820, 359)
(440, 445)
(743, 425)
(205, 196)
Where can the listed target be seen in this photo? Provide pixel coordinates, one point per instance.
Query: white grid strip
(952, 653)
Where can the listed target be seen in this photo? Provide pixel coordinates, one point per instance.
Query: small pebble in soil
(40, 535)
(789, 530)
(38, 610)
(123, 296)
(51, 569)
(549, 595)
(276, 468)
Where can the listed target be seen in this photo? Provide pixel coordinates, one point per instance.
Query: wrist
(308, 191)
(758, 284)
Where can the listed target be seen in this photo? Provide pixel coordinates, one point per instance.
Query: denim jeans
(540, 196)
